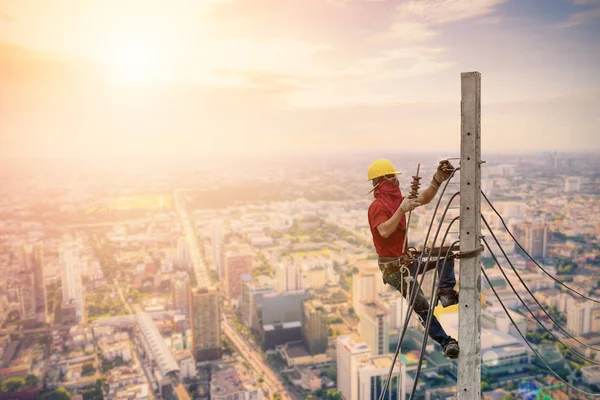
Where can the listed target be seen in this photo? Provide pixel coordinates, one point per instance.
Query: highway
(198, 265)
(272, 381)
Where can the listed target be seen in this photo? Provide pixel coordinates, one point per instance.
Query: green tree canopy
(13, 385)
(58, 394)
(31, 381)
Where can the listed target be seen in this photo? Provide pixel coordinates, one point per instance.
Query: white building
(591, 374)
(373, 374)
(398, 308)
(367, 283)
(72, 291)
(288, 277)
(217, 246)
(184, 257)
(572, 184)
(579, 318)
(373, 326)
(351, 351)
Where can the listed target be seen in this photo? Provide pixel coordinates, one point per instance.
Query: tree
(13, 385)
(333, 394)
(58, 394)
(31, 381)
(332, 372)
(88, 369)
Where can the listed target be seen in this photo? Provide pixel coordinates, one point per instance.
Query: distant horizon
(294, 154)
(96, 78)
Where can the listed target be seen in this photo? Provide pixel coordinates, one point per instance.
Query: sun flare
(135, 62)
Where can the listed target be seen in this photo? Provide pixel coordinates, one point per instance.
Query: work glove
(444, 170)
(409, 204)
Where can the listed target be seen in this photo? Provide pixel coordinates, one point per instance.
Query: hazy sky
(149, 77)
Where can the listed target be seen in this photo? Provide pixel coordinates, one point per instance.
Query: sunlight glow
(135, 62)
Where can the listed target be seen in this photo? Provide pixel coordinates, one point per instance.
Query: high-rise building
(282, 307)
(180, 292)
(183, 259)
(206, 324)
(288, 277)
(72, 290)
(32, 261)
(237, 263)
(373, 326)
(595, 320)
(581, 317)
(572, 184)
(314, 277)
(398, 307)
(367, 283)
(217, 246)
(252, 298)
(373, 373)
(314, 326)
(534, 239)
(27, 299)
(351, 351)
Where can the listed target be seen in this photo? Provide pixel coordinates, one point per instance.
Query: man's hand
(409, 204)
(444, 170)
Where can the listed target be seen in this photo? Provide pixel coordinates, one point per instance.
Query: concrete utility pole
(469, 314)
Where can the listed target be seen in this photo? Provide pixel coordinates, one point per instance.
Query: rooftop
(160, 352)
(375, 308)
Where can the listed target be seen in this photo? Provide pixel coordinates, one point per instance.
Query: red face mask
(390, 195)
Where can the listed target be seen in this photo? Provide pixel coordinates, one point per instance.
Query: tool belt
(395, 265)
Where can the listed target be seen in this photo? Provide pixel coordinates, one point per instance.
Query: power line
(417, 287)
(531, 258)
(528, 344)
(525, 286)
(527, 307)
(434, 292)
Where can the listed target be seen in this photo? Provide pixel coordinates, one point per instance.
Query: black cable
(532, 295)
(528, 344)
(415, 288)
(411, 303)
(434, 292)
(531, 258)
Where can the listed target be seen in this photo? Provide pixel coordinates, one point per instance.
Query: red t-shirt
(392, 246)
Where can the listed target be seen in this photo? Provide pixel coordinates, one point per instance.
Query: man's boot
(451, 349)
(448, 297)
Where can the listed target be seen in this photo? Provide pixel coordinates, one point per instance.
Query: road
(272, 381)
(200, 269)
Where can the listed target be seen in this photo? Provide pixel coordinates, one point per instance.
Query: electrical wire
(531, 258)
(411, 304)
(434, 293)
(528, 344)
(532, 295)
(415, 290)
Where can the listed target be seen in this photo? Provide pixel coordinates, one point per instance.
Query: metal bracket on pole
(469, 314)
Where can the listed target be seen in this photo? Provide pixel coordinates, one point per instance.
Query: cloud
(6, 18)
(586, 2)
(417, 20)
(581, 17)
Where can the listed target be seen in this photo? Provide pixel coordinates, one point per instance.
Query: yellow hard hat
(380, 168)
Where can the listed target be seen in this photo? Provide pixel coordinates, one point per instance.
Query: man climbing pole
(387, 220)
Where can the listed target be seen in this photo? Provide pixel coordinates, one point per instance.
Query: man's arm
(428, 195)
(388, 227)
